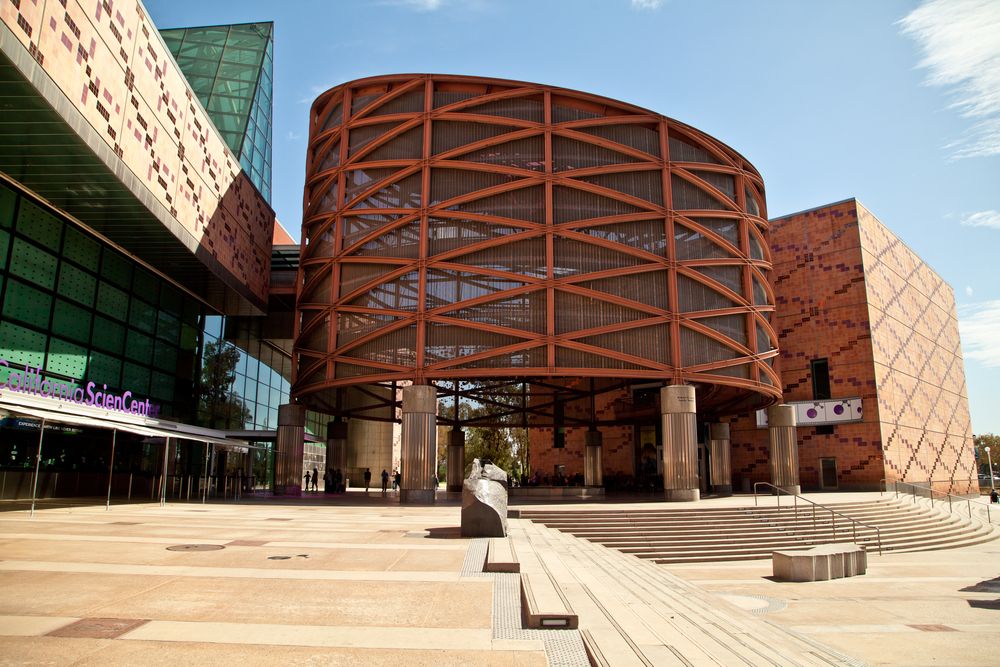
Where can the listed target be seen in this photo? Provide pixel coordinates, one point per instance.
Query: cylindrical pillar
(288, 450)
(721, 472)
(593, 474)
(680, 443)
(784, 448)
(456, 459)
(419, 444)
(336, 445)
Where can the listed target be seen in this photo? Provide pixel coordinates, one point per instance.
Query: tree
(983, 441)
(504, 445)
(217, 406)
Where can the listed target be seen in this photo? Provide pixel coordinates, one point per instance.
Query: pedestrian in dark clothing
(307, 480)
(315, 479)
(368, 478)
(994, 498)
(385, 481)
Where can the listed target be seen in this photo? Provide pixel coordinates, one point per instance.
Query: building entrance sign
(31, 381)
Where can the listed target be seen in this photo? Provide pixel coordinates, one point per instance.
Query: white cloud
(979, 325)
(292, 136)
(647, 4)
(959, 39)
(989, 218)
(968, 290)
(417, 5)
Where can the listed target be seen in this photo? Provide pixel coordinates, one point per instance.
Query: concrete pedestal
(593, 474)
(720, 459)
(288, 449)
(456, 459)
(784, 457)
(419, 444)
(680, 443)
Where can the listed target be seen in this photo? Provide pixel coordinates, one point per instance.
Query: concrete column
(288, 450)
(784, 448)
(456, 459)
(680, 443)
(722, 471)
(336, 446)
(593, 473)
(419, 444)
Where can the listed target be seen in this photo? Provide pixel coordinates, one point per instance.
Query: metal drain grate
(195, 547)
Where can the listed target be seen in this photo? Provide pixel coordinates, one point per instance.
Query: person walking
(307, 481)
(315, 479)
(385, 482)
(368, 478)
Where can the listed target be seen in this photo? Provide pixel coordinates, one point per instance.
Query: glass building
(230, 69)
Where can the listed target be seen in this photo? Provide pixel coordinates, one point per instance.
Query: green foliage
(983, 441)
(217, 406)
(505, 446)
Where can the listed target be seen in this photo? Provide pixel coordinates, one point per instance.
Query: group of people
(333, 480)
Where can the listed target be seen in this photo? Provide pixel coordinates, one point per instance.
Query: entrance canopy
(68, 412)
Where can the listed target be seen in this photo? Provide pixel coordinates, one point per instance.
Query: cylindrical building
(461, 229)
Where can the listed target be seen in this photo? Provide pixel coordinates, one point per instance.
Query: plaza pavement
(361, 580)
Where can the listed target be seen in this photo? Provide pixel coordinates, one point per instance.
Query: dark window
(821, 378)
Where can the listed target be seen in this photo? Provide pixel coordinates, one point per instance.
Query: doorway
(828, 473)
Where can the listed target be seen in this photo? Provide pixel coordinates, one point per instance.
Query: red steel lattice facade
(460, 227)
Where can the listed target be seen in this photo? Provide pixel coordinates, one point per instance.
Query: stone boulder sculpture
(484, 501)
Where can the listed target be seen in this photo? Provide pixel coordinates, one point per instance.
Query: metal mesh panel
(531, 358)
(342, 370)
(317, 338)
(691, 244)
(646, 185)
(730, 276)
(752, 207)
(398, 294)
(648, 235)
(410, 102)
(763, 340)
(359, 102)
(400, 242)
(561, 114)
(759, 293)
(448, 134)
(756, 250)
(727, 228)
(734, 326)
(724, 182)
(319, 292)
(569, 358)
(446, 288)
(524, 311)
(446, 342)
(322, 245)
(519, 107)
(571, 205)
(697, 348)
(334, 118)
(574, 257)
(528, 153)
(396, 347)
(647, 342)
(574, 312)
(444, 234)
(446, 97)
(332, 158)
(352, 326)
(330, 200)
(450, 183)
(355, 227)
(568, 154)
(635, 136)
(686, 195)
(741, 371)
(357, 181)
(649, 287)
(694, 296)
(364, 135)
(407, 146)
(525, 257)
(682, 151)
(402, 194)
(353, 276)
(521, 204)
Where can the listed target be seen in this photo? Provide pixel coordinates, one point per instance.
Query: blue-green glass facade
(230, 68)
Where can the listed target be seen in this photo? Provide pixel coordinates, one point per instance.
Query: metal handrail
(833, 513)
(968, 501)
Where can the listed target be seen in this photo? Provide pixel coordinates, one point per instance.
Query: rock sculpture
(484, 501)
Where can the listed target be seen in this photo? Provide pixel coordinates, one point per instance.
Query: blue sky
(895, 103)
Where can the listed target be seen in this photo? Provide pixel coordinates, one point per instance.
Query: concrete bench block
(542, 607)
(821, 563)
(500, 556)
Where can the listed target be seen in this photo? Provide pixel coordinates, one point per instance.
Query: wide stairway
(709, 534)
